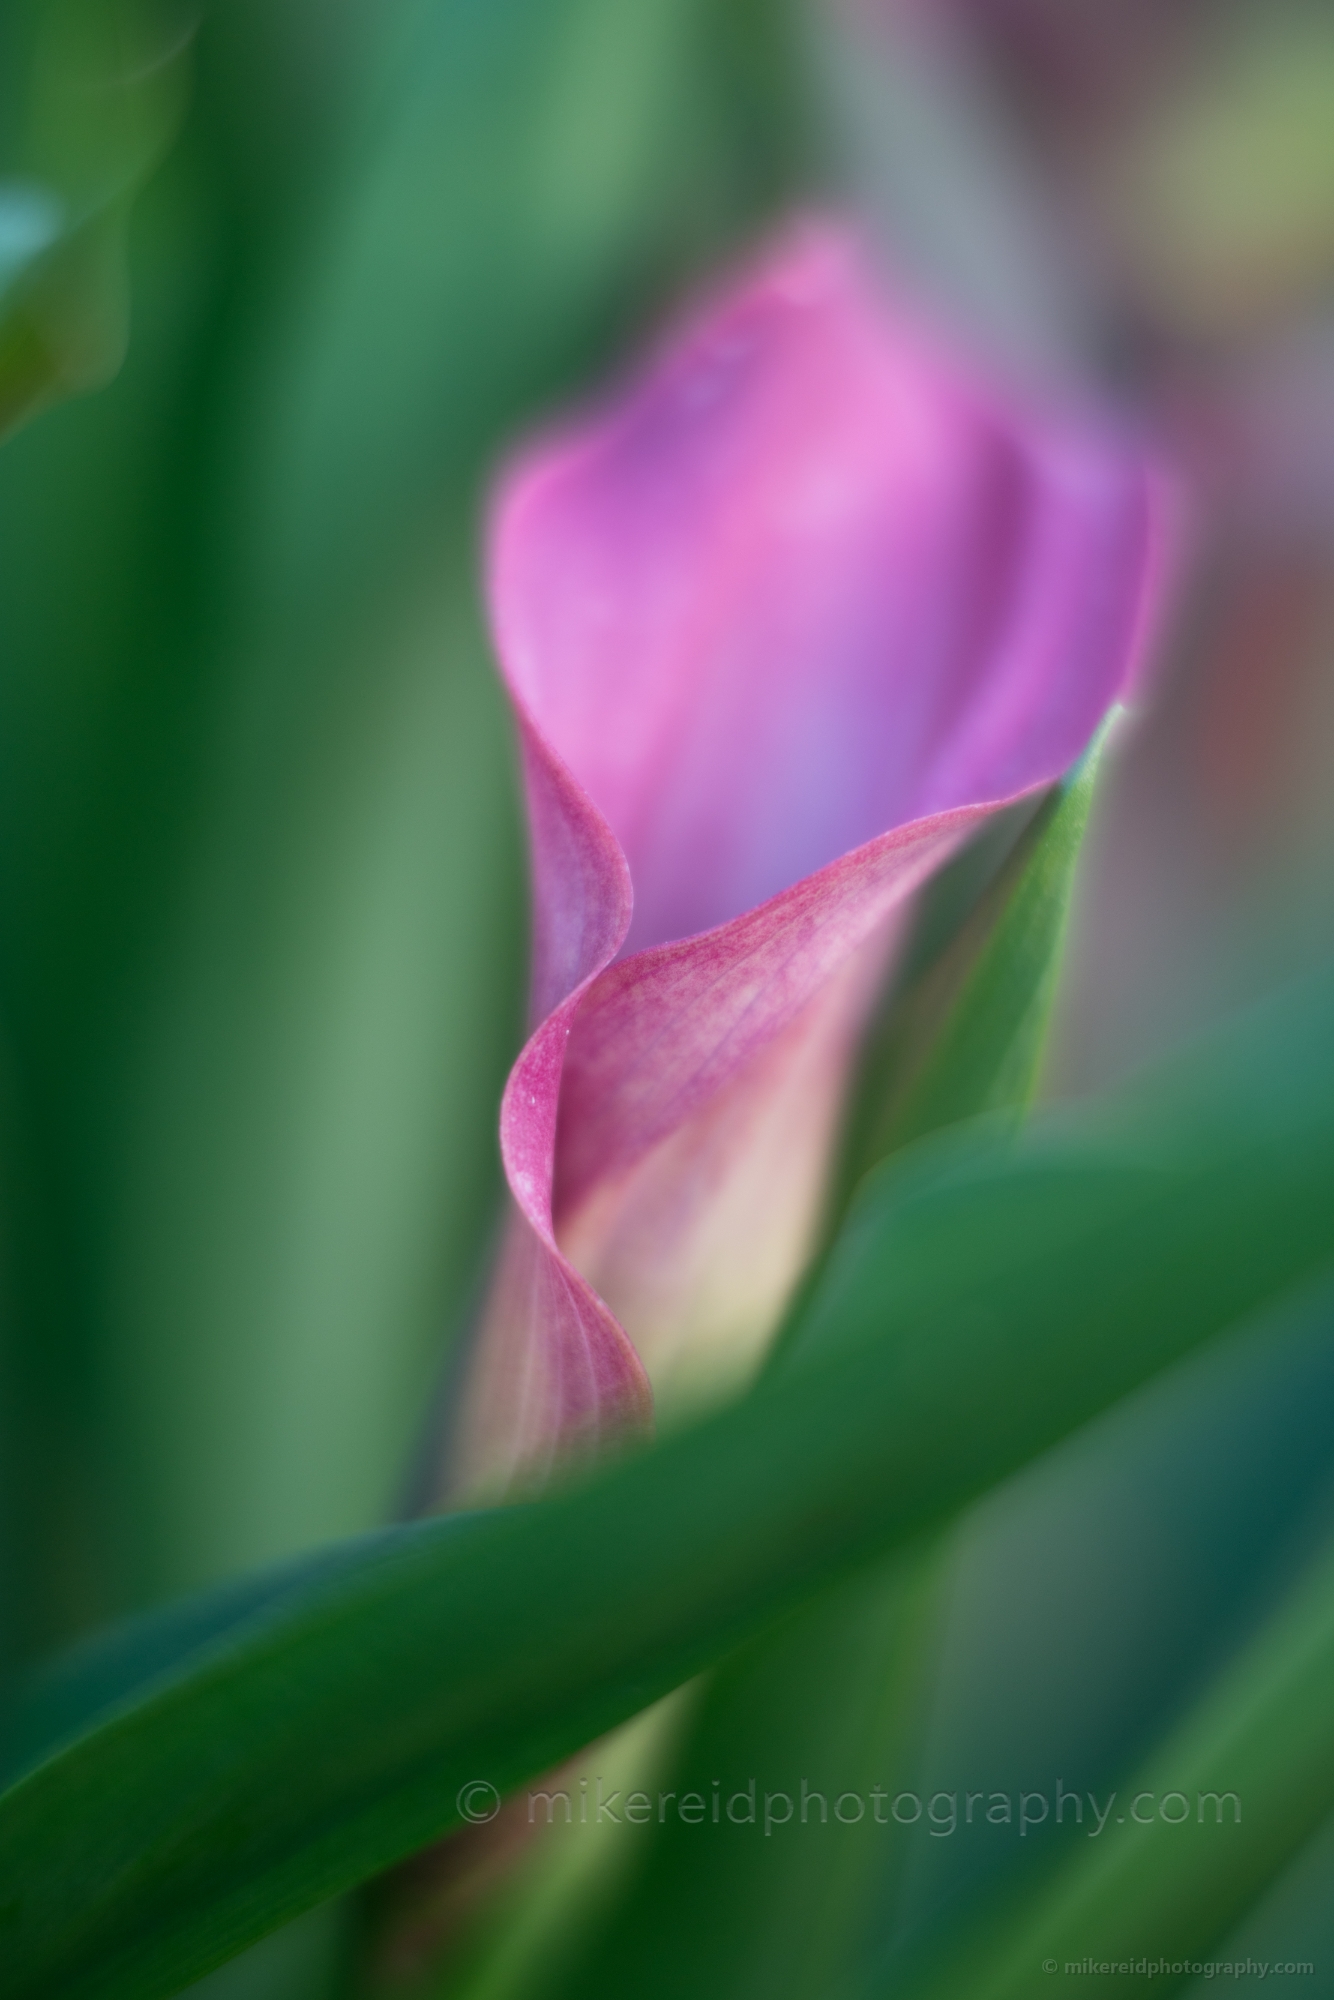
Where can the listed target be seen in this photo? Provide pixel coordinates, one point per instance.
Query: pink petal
(782, 622)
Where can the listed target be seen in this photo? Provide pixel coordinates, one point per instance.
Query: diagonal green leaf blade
(990, 1294)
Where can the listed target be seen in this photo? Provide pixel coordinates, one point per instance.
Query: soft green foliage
(261, 904)
(105, 98)
(1263, 1735)
(989, 1295)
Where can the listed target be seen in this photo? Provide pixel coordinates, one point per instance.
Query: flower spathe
(781, 622)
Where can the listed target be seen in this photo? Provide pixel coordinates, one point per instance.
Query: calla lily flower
(782, 622)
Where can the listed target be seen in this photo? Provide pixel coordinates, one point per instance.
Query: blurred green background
(262, 899)
(278, 283)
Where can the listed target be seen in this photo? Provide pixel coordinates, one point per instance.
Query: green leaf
(30, 222)
(967, 1033)
(1261, 1743)
(989, 1295)
(834, 1695)
(533, 177)
(97, 1676)
(106, 100)
(303, 1205)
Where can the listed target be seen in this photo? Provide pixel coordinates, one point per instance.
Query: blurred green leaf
(526, 183)
(261, 901)
(309, 1162)
(105, 99)
(30, 222)
(1174, 1888)
(835, 1695)
(96, 1677)
(93, 575)
(990, 1294)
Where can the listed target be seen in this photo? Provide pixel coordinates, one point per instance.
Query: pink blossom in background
(782, 622)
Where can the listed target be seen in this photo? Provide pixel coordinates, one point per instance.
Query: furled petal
(782, 623)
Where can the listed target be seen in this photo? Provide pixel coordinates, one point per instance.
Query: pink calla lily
(782, 623)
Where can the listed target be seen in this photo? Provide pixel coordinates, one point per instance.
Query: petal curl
(783, 621)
